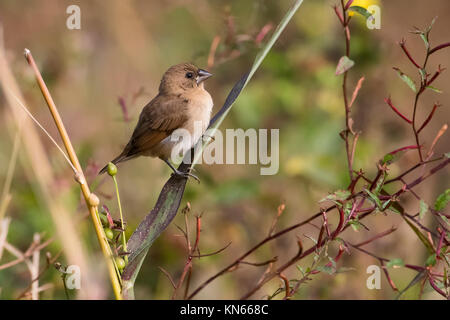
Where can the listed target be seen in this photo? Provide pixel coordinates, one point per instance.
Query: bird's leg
(181, 174)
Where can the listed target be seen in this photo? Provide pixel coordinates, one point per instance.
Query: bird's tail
(116, 160)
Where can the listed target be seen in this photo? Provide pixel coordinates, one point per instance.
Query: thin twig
(167, 274)
(34, 272)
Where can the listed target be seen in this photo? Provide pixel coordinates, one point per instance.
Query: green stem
(124, 240)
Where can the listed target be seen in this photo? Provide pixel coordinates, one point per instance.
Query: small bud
(109, 233)
(120, 263)
(112, 169)
(94, 201)
(104, 219)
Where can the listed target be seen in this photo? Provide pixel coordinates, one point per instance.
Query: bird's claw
(185, 175)
(208, 138)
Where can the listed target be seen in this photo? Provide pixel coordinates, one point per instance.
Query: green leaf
(299, 268)
(442, 201)
(395, 207)
(355, 224)
(431, 261)
(311, 238)
(360, 10)
(395, 263)
(393, 157)
(326, 269)
(344, 65)
(388, 159)
(434, 89)
(385, 205)
(423, 209)
(406, 79)
(431, 24)
(380, 182)
(375, 199)
(348, 205)
(445, 220)
(339, 195)
(425, 40)
(342, 194)
(421, 236)
(447, 155)
(170, 197)
(423, 75)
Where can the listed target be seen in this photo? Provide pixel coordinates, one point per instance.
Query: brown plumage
(181, 103)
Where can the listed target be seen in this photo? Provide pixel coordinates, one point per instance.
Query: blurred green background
(122, 50)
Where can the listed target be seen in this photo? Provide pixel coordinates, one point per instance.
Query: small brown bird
(182, 103)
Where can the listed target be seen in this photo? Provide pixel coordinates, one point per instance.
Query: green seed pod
(120, 263)
(112, 169)
(109, 233)
(104, 220)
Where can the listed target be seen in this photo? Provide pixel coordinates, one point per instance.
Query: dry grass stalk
(91, 199)
(41, 173)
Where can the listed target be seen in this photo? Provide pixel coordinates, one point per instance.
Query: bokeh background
(121, 52)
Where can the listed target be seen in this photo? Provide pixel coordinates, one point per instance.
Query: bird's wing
(159, 118)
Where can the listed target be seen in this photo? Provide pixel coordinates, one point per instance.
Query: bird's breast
(198, 116)
(200, 108)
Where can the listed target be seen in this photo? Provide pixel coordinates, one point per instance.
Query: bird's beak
(203, 75)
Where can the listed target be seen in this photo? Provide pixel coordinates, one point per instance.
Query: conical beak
(203, 75)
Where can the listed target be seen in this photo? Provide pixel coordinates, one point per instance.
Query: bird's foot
(208, 138)
(185, 175)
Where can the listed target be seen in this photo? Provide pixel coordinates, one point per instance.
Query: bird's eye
(189, 75)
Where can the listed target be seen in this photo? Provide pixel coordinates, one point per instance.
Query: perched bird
(181, 103)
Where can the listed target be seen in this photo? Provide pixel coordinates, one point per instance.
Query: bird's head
(181, 77)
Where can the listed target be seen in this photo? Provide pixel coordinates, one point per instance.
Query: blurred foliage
(124, 46)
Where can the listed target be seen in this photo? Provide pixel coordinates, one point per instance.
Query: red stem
(349, 3)
(403, 46)
(436, 74)
(339, 15)
(439, 47)
(428, 118)
(403, 148)
(389, 102)
(435, 287)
